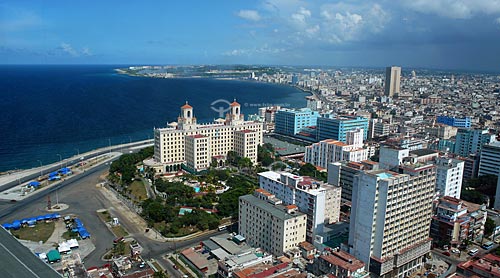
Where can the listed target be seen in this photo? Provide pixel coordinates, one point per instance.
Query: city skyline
(461, 35)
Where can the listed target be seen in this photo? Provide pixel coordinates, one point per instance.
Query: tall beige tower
(392, 81)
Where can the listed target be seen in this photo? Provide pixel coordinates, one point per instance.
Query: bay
(65, 109)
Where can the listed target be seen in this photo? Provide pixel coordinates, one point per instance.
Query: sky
(443, 34)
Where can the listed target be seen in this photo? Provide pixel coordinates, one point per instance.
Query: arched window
(237, 110)
(189, 114)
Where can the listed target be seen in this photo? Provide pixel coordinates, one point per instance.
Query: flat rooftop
(277, 211)
(17, 261)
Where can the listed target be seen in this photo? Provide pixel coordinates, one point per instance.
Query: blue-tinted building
(291, 121)
(471, 141)
(453, 121)
(336, 128)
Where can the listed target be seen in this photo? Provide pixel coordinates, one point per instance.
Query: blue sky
(449, 34)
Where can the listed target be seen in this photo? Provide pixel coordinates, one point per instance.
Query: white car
(455, 251)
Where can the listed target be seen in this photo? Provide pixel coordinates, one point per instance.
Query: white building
(194, 145)
(391, 156)
(320, 201)
(390, 218)
(449, 173)
(266, 223)
(328, 151)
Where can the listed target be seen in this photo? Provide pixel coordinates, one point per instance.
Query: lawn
(119, 231)
(138, 190)
(41, 232)
(104, 215)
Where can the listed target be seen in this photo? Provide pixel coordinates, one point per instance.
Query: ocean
(66, 110)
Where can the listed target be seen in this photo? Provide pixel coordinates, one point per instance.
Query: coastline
(304, 90)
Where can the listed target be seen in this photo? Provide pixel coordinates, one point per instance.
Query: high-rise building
(337, 128)
(268, 224)
(489, 159)
(327, 151)
(342, 174)
(392, 81)
(320, 201)
(390, 218)
(449, 174)
(291, 121)
(470, 141)
(193, 145)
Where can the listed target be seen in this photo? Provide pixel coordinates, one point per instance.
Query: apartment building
(336, 128)
(291, 121)
(319, 200)
(464, 122)
(339, 264)
(342, 174)
(328, 151)
(268, 224)
(489, 160)
(193, 145)
(390, 218)
(470, 141)
(449, 174)
(456, 221)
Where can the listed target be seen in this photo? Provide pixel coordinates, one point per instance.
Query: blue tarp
(40, 218)
(47, 216)
(53, 174)
(83, 233)
(51, 178)
(24, 220)
(16, 224)
(31, 219)
(7, 226)
(34, 184)
(65, 171)
(78, 223)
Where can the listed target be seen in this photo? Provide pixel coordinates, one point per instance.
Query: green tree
(245, 162)
(489, 226)
(307, 170)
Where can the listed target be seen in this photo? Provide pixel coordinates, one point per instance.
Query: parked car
(446, 253)
(497, 241)
(455, 251)
(473, 252)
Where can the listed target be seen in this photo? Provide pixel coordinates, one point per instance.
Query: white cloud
(300, 17)
(265, 49)
(345, 22)
(313, 30)
(251, 15)
(66, 47)
(457, 9)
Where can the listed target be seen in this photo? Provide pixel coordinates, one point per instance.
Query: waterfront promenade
(16, 178)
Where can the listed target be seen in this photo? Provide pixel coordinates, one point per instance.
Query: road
(84, 199)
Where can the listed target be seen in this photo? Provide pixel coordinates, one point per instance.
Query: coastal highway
(8, 181)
